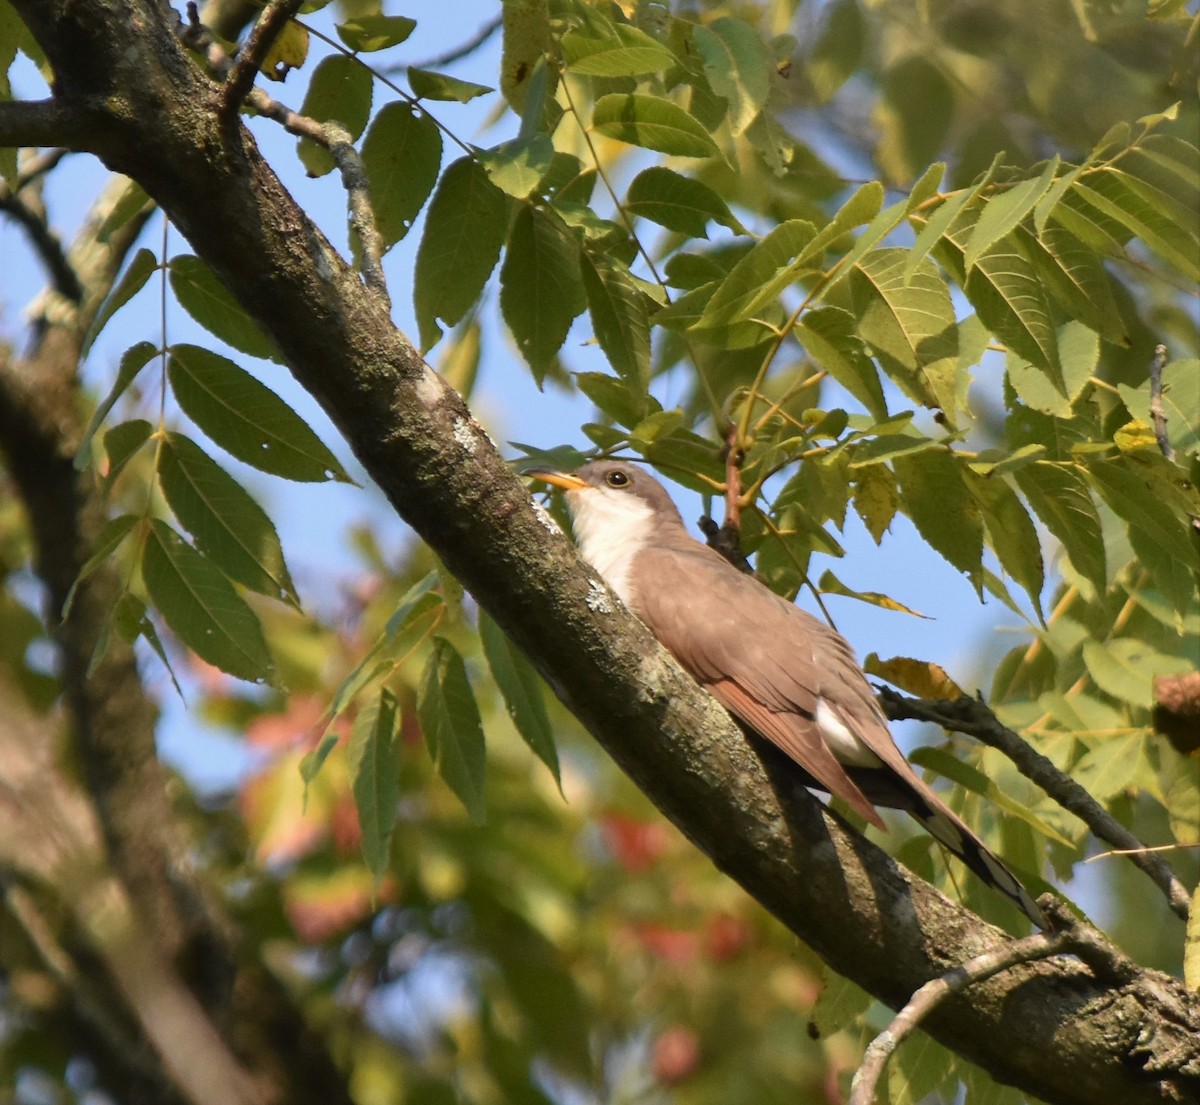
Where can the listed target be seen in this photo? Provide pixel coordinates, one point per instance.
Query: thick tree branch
(1111, 1041)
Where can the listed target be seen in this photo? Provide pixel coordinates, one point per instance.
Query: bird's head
(617, 509)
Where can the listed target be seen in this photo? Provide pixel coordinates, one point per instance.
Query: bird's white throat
(611, 527)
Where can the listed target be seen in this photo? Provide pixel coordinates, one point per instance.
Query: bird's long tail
(947, 828)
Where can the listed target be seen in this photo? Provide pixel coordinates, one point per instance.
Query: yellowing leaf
(923, 678)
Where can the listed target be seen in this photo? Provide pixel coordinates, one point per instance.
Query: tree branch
(974, 717)
(40, 123)
(45, 242)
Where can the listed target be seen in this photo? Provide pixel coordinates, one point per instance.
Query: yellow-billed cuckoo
(778, 670)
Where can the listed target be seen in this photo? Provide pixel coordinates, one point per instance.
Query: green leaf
(450, 720)
(937, 500)
(108, 540)
(619, 318)
(1005, 290)
(652, 123)
(935, 227)
(401, 155)
(201, 606)
(910, 325)
(373, 757)
(679, 203)
(1129, 498)
(428, 85)
(1180, 402)
(132, 201)
(288, 51)
(876, 498)
(827, 334)
(829, 584)
(517, 166)
(1191, 945)
(1002, 213)
(522, 691)
(886, 221)
(137, 272)
(541, 291)
(737, 66)
(628, 52)
(227, 524)
(128, 620)
(1126, 668)
(121, 443)
(1074, 275)
(367, 33)
(247, 419)
(750, 283)
(208, 301)
(890, 445)
(1055, 393)
(1059, 497)
(1119, 197)
(623, 405)
(1011, 533)
(464, 230)
(1114, 766)
(840, 1003)
(133, 360)
(404, 629)
(340, 89)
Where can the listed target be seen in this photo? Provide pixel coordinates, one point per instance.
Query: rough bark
(128, 93)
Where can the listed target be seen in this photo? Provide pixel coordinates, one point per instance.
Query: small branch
(1156, 409)
(726, 538)
(973, 717)
(933, 993)
(263, 34)
(331, 136)
(45, 242)
(336, 139)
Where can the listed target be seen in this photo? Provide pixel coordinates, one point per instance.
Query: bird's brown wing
(770, 664)
(754, 661)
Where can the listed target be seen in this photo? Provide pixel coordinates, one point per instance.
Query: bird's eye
(616, 479)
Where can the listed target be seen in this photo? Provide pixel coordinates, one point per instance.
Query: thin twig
(457, 53)
(263, 34)
(933, 993)
(1156, 408)
(974, 717)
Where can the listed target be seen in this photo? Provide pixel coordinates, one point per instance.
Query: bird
(781, 672)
